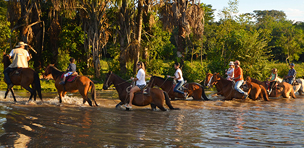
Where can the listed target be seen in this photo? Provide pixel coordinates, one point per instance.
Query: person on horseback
(71, 70)
(20, 60)
(238, 78)
(178, 76)
(140, 82)
(230, 71)
(273, 79)
(291, 76)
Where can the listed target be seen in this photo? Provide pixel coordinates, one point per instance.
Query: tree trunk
(139, 26)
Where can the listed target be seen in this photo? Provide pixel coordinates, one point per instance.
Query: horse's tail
(168, 101)
(203, 93)
(37, 84)
(93, 92)
(203, 96)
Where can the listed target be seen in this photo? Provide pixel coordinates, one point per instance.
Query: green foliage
(155, 67)
(63, 60)
(71, 45)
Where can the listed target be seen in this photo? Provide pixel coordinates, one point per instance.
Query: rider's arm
(28, 56)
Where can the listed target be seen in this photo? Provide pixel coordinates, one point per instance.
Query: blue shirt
(292, 72)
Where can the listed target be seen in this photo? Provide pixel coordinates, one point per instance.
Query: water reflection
(237, 123)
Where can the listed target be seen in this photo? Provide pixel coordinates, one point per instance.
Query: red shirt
(238, 72)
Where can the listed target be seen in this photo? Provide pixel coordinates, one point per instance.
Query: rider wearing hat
(20, 58)
(230, 71)
(291, 74)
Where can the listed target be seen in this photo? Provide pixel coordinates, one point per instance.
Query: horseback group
(141, 94)
(235, 86)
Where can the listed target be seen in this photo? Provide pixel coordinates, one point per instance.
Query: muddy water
(216, 123)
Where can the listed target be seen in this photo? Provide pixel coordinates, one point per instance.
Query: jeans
(290, 81)
(6, 74)
(179, 85)
(238, 85)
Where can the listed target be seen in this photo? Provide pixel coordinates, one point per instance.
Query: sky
(294, 9)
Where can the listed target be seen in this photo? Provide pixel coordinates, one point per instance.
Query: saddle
(145, 91)
(184, 86)
(70, 78)
(16, 72)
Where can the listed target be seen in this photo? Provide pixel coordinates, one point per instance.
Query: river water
(216, 123)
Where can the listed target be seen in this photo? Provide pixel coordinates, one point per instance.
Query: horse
(298, 85)
(226, 87)
(155, 96)
(193, 89)
(285, 89)
(81, 83)
(256, 91)
(207, 83)
(24, 77)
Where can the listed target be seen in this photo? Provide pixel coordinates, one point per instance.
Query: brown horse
(193, 89)
(24, 77)
(226, 87)
(155, 96)
(207, 83)
(284, 89)
(257, 91)
(82, 84)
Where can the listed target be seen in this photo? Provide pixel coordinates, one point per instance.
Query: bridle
(117, 84)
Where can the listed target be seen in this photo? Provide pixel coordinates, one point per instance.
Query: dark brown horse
(193, 89)
(82, 84)
(226, 87)
(24, 77)
(155, 96)
(207, 83)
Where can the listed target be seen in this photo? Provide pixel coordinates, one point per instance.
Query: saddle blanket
(70, 78)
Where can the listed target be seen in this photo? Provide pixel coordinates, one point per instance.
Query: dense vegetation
(112, 35)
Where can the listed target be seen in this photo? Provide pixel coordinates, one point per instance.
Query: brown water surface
(216, 123)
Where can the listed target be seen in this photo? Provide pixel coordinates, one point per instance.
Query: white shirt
(229, 72)
(141, 77)
(181, 75)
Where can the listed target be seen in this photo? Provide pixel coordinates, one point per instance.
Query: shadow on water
(214, 123)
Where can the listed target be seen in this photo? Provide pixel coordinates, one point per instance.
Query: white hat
(20, 44)
(231, 63)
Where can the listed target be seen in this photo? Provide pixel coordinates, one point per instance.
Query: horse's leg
(60, 95)
(30, 90)
(119, 104)
(34, 89)
(84, 94)
(13, 94)
(153, 107)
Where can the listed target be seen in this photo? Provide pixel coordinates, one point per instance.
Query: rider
(291, 74)
(178, 75)
(273, 79)
(238, 78)
(230, 71)
(140, 82)
(20, 60)
(71, 70)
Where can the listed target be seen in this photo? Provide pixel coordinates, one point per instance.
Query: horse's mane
(158, 77)
(255, 80)
(120, 78)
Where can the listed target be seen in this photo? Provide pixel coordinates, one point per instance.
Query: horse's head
(215, 78)
(6, 60)
(48, 72)
(248, 79)
(108, 81)
(207, 80)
